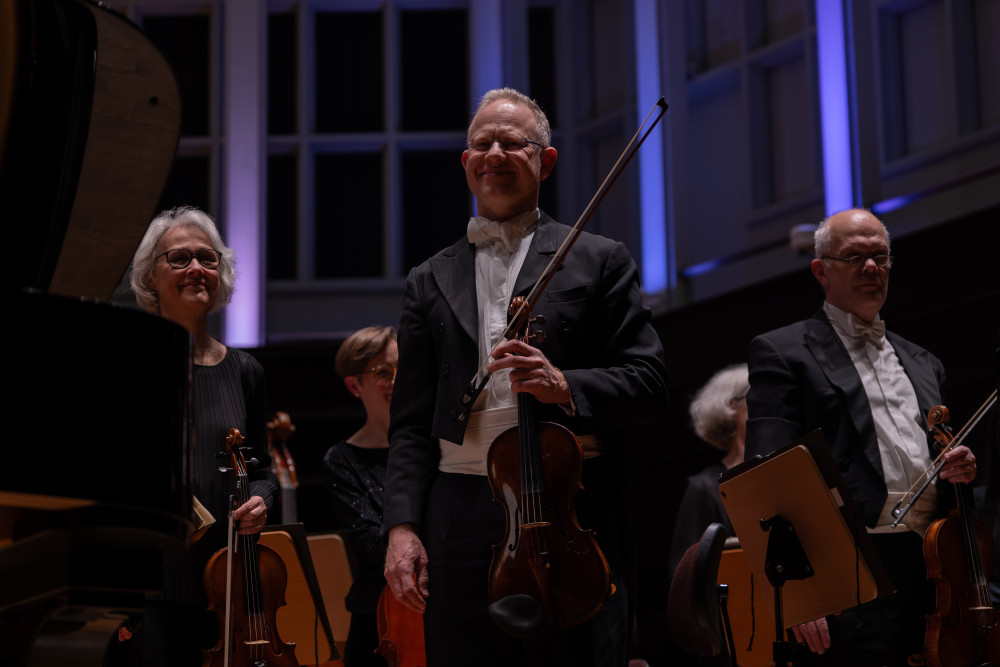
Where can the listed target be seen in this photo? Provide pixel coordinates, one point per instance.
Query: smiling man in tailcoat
(599, 368)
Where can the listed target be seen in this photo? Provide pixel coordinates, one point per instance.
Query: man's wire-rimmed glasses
(507, 145)
(882, 260)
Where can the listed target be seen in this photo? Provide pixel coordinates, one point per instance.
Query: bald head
(852, 234)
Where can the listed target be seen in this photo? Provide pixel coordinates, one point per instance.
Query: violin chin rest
(520, 616)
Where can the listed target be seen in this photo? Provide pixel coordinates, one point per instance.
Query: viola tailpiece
(245, 585)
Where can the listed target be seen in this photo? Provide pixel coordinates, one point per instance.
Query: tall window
(367, 110)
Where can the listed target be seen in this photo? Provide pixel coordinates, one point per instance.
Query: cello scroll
(279, 431)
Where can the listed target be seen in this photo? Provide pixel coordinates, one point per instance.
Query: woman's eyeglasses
(179, 258)
(384, 373)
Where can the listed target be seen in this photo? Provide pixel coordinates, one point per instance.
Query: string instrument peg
(532, 336)
(224, 467)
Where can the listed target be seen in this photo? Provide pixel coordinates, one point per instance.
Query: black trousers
(462, 525)
(886, 631)
(362, 640)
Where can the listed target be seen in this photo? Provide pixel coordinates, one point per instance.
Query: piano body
(96, 486)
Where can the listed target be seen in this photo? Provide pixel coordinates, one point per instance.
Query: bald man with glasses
(869, 391)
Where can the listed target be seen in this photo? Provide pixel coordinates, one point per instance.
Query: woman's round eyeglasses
(384, 373)
(179, 258)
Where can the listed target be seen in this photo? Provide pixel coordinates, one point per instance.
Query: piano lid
(89, 125)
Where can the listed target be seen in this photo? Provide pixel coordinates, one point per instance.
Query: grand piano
(95, 489)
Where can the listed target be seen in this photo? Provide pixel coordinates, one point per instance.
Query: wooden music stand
(799, 530)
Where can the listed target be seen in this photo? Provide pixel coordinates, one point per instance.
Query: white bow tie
(872, 332)
(509, 233)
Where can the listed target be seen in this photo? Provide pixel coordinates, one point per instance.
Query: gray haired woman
(183, 271)
(719, 417)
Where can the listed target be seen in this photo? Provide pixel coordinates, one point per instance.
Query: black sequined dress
(355, 477)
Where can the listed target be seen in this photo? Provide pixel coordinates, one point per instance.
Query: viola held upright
(547, 573)
(245, 584)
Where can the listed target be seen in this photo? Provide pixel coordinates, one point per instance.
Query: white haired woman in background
(719, 417)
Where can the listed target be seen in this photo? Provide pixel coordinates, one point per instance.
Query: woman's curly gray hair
(712, 413)
(144, 261)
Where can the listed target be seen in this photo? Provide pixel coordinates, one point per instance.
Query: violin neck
(970, 542)
(531, 456)
(247, 552)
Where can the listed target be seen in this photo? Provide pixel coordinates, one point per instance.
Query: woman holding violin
(183, 271)
(598, 370)
(355, 476)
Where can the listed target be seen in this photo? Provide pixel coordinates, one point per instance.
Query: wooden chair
(335, 574)
(694, 612)
(749, 608)
(304, 619)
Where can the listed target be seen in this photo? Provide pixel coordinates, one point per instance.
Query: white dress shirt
(899, 426)
(496, 408)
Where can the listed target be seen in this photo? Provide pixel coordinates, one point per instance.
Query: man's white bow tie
(872, 332)
(509, 233)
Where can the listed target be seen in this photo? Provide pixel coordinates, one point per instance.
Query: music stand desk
(801, 484)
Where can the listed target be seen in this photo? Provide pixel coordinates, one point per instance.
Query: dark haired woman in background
(355, 476)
